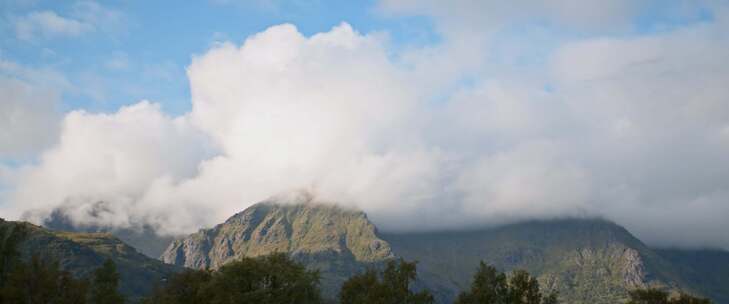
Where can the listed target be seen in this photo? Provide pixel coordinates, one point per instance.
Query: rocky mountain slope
(82, 253)
(338, 242)
(586, 260)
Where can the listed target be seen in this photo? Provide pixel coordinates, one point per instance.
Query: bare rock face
(336, 241)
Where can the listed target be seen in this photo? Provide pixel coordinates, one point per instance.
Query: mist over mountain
(585, 260)
(486, 114)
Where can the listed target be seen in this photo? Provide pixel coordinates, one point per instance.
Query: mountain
(706, 270)
(336, 241)
(586, 260)
(143, 238)
(82, 253)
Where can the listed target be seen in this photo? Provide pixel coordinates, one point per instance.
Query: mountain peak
(337, 241)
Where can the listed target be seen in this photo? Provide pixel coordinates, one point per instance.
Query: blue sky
(142, 54)
(143, 51)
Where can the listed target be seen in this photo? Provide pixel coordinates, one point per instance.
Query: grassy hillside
(82, 253)
(143, 238)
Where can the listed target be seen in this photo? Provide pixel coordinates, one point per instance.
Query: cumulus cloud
(28, 112)
(630, 127)
(104, 163)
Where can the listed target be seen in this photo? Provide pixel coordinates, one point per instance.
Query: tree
(391, 286)
(105, 284)
(488, 286)
(268, 279)
(688, 299)
(10, 237)
(524, 289)
(41, 282)
(492, 287)
(187, 287)
(71, 290)
(657, 296)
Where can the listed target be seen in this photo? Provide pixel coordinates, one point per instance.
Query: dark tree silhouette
(187, 287)
(657, 296)
(492, 287)
(268, 279)
(392, 286)
(105, 284)
(41, 282)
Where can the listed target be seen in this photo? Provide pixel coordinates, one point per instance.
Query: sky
(425, 114)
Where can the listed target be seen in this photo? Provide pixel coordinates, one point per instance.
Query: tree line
(277, 279)
(274, 279)
(41, 281)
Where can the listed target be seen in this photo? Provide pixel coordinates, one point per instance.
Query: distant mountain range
(586, 260)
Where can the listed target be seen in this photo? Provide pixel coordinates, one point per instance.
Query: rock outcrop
(336, 241)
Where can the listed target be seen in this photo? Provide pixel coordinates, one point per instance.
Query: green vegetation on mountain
(335, 241)
(143, 238)
(707, 270)
(585, 261)
(81, 254)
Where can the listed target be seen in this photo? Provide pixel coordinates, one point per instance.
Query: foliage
(187, 287)
(10, 236)
(491, 287)
(657, 296)
(105, 285)
(42, 282)
(268, 279)
(391, 286)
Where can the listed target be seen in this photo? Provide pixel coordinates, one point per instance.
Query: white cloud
(28, 118)
(28, 109)
(84, 17)
(632, 128)
(48, 24)
(110, 158)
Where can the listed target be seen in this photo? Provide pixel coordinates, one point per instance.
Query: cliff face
(82, 253)
(336, 241)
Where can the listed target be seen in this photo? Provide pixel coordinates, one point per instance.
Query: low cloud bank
(635, 129)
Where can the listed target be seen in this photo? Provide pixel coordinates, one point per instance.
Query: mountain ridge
(338, 242)
(586, 260)
(82, 253)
